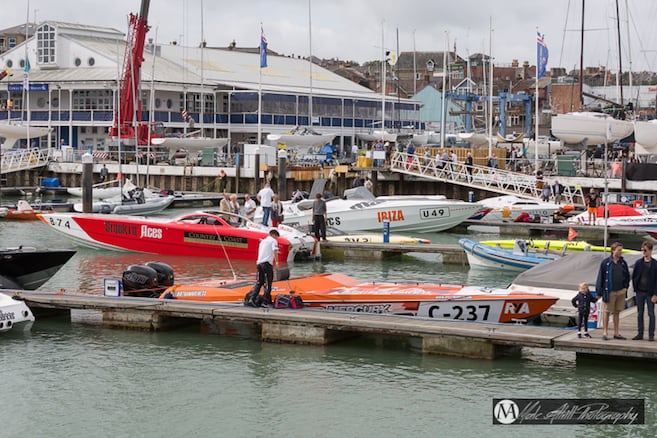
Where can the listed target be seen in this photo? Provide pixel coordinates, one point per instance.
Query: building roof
(176, 64)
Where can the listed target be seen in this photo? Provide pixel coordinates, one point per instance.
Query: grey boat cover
(569, 271)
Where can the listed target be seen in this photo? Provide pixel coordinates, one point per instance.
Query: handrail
(480, 177)
(14, 160)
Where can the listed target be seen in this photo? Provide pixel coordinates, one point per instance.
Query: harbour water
(66, 379)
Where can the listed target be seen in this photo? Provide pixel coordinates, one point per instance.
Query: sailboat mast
(443, 104)
(490, 92)
(310, 64)
(383, 84)
(620, 58)
(26, 80)
(581, 61)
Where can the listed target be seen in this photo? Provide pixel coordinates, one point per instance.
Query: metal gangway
(479, 177)
(14, 160)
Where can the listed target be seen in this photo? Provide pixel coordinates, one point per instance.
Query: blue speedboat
(517, 259)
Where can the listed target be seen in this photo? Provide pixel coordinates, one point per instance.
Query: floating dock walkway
(307, 326)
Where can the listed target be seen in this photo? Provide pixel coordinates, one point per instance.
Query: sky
(354, 29)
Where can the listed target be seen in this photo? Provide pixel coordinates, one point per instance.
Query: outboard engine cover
(139, 277)
(164, 273)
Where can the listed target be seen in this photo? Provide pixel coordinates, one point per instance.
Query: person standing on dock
(592, 204)
(557, 191)
(644, 280)
(249, 207)
(265, 197)
(612, 283)
(267, 260)
(319, 217)
(583, 301)
(104, 173)
(223, 180)
(276, 211)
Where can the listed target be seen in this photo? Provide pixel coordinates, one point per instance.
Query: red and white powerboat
(199, 234)
(342, 293)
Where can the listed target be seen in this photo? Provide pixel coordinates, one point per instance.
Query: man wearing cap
(267, 259)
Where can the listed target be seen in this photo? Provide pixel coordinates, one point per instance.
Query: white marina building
(73, 72)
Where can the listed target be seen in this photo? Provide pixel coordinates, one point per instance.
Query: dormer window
(430, 65)
(46, 44)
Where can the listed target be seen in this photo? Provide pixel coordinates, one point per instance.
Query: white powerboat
(14, 313)
(621, 216)
(102, 190)
(508, 207)
(518, 258)
(359, 210)
(589, 128)
(136, 204)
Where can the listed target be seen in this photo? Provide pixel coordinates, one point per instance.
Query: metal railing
(14, 160)
(479, 177)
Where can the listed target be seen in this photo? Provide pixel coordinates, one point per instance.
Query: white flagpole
(260, 90)
(538, 61)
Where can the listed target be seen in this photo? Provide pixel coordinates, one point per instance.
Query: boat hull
(404, 216)
(150, 206)
(508, 207)
(14, 314)
(589, 128)
(484, 256)
(199, 234)
(28, 268)
(309, 140)
(341, 293)
(645, 134)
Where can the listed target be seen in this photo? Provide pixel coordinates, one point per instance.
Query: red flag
(572, 234)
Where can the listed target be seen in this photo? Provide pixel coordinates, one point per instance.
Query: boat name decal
(215, 239)
(456, 311)
(129, 230)
(334, 221)
(364, 308)
(391, 215)
(151, 233)
(432, 213)
(7, 316)
(190, 293)
(59, 222)
(515, 308)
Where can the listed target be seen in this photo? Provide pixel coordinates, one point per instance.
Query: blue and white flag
(541, 55)
(263, 49)
(26, 74)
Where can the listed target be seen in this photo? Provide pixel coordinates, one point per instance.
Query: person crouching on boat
(267, 259)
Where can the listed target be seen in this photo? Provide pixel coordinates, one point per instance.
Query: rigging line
(221, 243)
(563, 38)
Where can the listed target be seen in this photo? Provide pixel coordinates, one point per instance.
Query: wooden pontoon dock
(307, 326)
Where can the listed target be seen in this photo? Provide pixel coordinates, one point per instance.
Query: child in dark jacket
(583, 301)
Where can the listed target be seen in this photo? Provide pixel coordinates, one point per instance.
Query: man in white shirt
(249, 207)
(265, 197)
(267, 259)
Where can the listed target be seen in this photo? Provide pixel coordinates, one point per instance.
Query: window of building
(46, 44)
(12, 43)
(92, 100)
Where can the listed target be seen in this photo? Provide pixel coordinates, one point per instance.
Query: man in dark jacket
(612, 283)
(644, 280)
